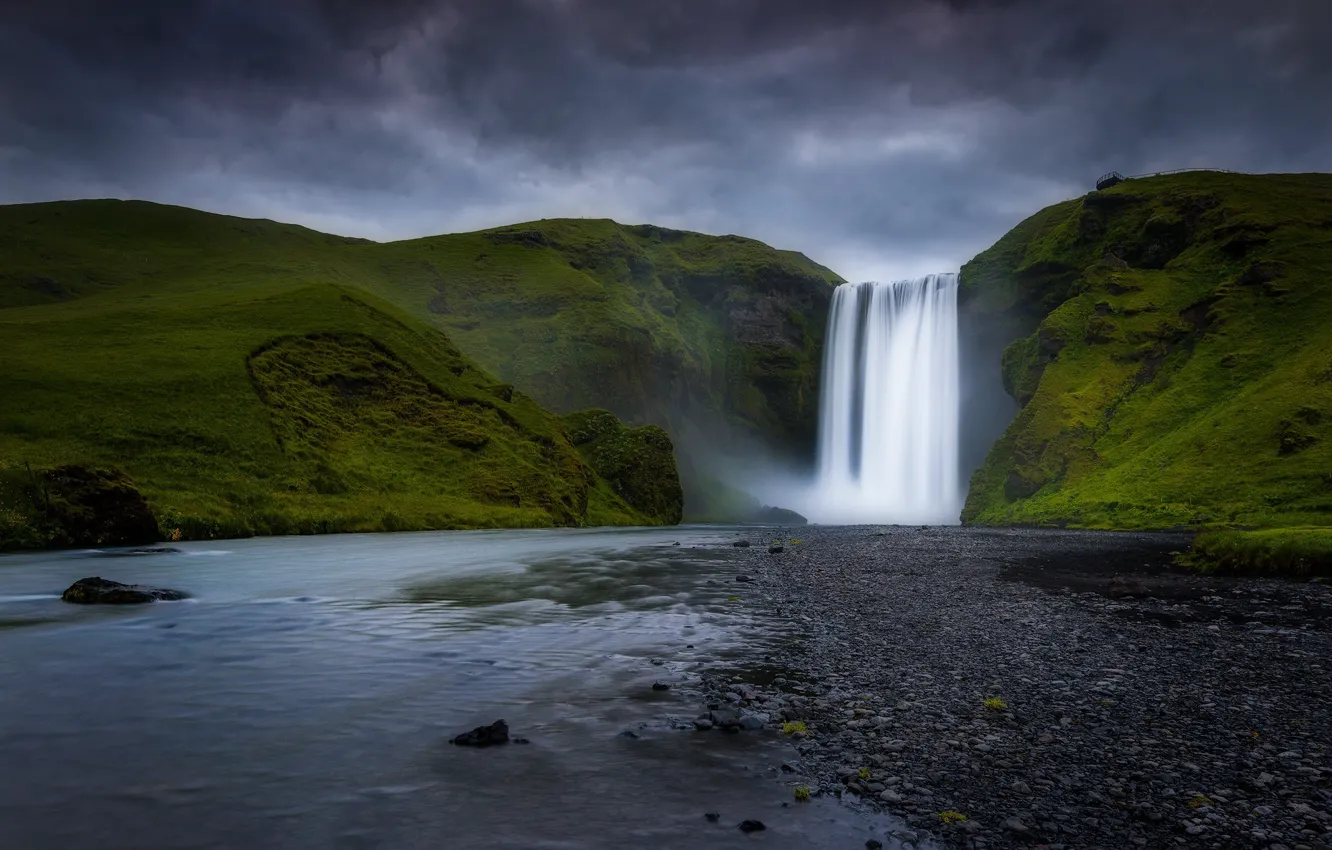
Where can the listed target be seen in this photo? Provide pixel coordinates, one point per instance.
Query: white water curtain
(888, 420)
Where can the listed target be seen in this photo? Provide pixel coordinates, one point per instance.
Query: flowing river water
(305, 694)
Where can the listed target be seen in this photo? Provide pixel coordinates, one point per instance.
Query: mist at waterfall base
(888, 445)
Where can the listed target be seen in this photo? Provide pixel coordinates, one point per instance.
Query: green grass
(251, 378)
(1288, 551)
(643, 321)
(1174, 357)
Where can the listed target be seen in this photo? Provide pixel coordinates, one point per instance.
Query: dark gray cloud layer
(883, 138)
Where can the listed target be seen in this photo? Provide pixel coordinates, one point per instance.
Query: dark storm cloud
(874, 136)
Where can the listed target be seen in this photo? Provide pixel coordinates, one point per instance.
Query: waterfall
(888, 420)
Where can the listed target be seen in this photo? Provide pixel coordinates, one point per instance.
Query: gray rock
(484, 736)
(99, 591)
(1016, 826)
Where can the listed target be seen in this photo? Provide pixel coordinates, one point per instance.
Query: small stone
(1021, 787)
(743, 578)
(1016, 826)
(751, 723)
(484, 736)
(775, 549)
(873, 844)
(752, 826)
(1120, 587)
(890, 796)
(703, 724)
(726, 720)
(660, 686)
(712, 817)
(741, 544)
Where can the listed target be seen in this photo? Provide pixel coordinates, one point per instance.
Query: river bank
(1053, 689)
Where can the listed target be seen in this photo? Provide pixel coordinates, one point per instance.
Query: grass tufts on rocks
(1291, 551)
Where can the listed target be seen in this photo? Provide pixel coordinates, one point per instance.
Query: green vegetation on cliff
(250, 378)
(1174, 358)
(705, 336)
(658, 326)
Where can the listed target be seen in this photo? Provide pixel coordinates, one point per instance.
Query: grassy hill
(717, 339)
(253, 377)
(1172, 355)
(659, 326)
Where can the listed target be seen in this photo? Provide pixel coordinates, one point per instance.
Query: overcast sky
(884, 139)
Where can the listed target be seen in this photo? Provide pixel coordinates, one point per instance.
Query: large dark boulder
(484, 736)
(84, 506)
(99, 591)
(638, 463)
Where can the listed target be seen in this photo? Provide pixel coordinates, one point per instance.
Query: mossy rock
(73, 505)
(638, 463)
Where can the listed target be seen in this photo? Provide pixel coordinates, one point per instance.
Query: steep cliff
(1171, 353)
(665, 327)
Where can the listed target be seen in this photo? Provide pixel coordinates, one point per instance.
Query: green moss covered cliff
(226, 377)
(665, 327)
(1172, 354)
(716, 339)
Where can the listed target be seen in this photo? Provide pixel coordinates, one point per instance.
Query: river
(305, 695)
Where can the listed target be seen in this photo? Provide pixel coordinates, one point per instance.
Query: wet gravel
(1130, 703)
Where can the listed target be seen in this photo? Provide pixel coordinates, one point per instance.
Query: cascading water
(888, 421)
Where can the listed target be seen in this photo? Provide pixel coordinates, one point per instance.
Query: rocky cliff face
(1168, 345)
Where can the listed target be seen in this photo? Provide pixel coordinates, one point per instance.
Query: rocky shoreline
(1046, 689)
